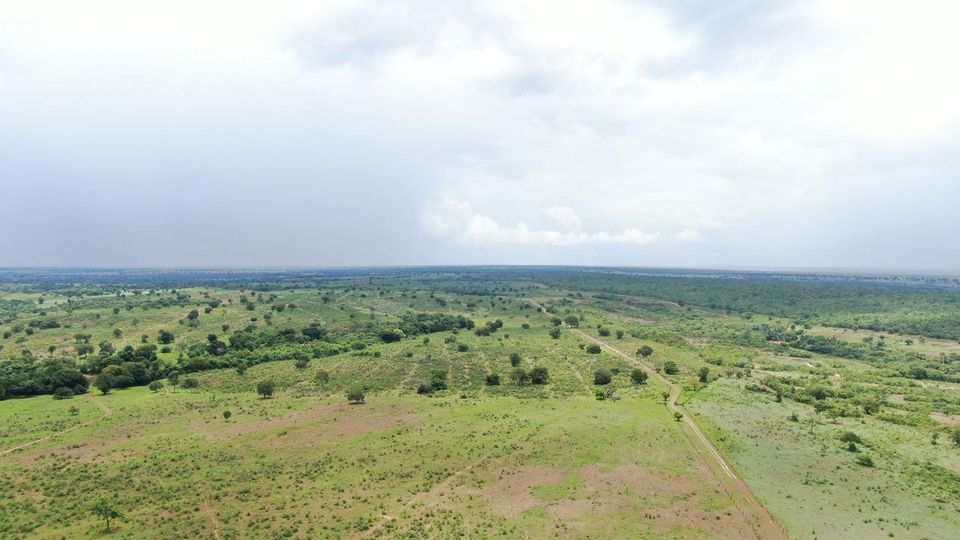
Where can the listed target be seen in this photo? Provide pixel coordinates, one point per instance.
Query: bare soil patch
(512, 494)
(945, 419)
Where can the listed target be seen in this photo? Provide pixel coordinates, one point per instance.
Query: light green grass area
(308, 466)
(810, 480)
(473, 459)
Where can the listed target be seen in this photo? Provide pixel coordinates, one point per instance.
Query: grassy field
(794, 417)
(309, 465)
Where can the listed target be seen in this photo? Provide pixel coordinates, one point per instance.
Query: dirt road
(103, 407)
(755, 513)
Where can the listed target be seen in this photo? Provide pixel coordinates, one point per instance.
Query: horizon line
(889, 271)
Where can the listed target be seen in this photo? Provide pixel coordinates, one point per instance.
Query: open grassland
(838, 432)
(809, 478)
(313, 465)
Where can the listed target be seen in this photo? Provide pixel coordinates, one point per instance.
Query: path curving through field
(762, 521)
(103, 407)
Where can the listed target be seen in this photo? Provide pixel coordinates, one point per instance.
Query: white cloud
(689, 235)
(566, 217)
(456, 219)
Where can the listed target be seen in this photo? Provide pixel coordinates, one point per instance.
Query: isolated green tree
(818, 392)
(870, 404)
(356, 396)
(105, 509)
(638, 376)
(155, 386)
(704, 374)
(670, 367)
(392, 336)
(601, 377)
(265, 388)
(850, 437)
(314, 332)
(105, 382)
(515, 359)
(322, 377)
(165, 337)
(539, 375)
(645, 351)
(555, 332)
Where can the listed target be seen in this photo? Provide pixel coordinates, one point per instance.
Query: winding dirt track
(103, 407)
(755, 513)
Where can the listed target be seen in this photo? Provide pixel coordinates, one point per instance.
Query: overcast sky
(661, 133)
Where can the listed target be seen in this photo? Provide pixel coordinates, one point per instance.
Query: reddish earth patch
(675, 500)
(638, 480)
(512, 494)
(317, 425)
(568, 509)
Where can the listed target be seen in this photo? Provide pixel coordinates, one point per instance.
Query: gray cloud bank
(608, 132)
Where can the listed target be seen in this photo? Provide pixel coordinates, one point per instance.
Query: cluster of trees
(28, 376)
(437, 382)
(845, 301)
(489, 328)
(252, 338)
(416, 323)
(868, 349)
(933, 371)
(44, 324)
(125, 368)
(139, 366)
(824, 397)
(798, 339)
(36, 324)
(603, 377)
(536, 375)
